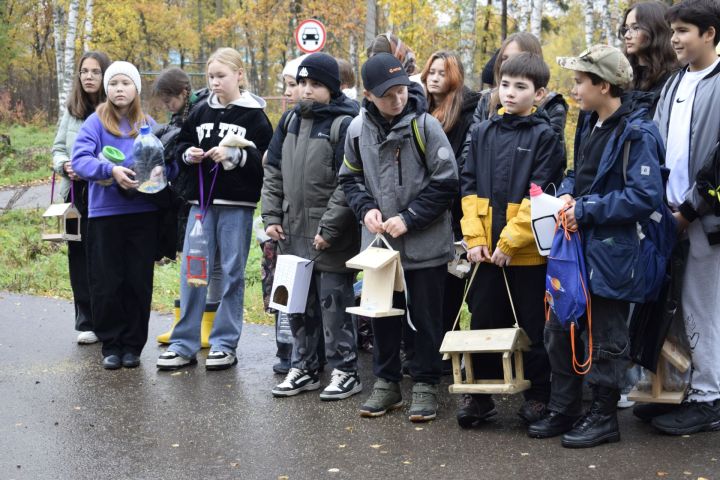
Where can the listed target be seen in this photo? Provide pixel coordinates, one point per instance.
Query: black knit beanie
(322, 68)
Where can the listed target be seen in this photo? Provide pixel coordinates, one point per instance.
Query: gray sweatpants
(701, 308)
(329, 295)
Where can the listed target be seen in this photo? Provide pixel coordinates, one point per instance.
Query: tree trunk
(370, 22)
(468, 38)
(88, 24)
(589, 23)
(536, 18)
(524, 12)
(69, 54)
(607, 22)
(58, 20)
(503, 20)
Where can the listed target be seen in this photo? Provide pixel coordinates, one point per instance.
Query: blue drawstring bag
(566, 292)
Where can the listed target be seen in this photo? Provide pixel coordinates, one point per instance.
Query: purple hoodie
(106, 201)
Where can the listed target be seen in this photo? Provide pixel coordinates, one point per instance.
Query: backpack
(566, 291)
(334, 127)
(708, 180)
(658, 234)
(418, 140)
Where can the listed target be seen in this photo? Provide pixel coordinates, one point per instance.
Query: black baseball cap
(381, 72)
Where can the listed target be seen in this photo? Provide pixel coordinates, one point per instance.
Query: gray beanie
(122, 68)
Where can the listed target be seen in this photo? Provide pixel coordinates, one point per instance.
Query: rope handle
(203, 204)
(52, 190)
(512, 304)
(381, 237)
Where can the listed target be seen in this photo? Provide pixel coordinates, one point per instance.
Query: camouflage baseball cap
(605, 61)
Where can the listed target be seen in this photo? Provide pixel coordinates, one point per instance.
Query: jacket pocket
(286, 221)
(481, 224)
(611, 266)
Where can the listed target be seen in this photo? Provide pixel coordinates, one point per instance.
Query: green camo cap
(605, 61)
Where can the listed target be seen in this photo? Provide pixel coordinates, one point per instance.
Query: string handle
(382, 239)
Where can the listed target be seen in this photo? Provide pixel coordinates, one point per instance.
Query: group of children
(412, 169)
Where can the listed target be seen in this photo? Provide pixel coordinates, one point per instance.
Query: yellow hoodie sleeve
(517, 232)
(476, 222)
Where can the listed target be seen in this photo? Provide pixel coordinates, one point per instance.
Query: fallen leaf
(175, 445)
(524, 454)
(342, 445)
(591, 466)
(77, 408)
(383, 451)
(419, 428)
(265, 335)
(234, 464)
(349, 429)
(376, 445)
(662, 474)
(687, 473)
(283, 477)
(407, 462)
(174, 374)
(333, 470)
(702, 478)
(442, 465)
(686, 436)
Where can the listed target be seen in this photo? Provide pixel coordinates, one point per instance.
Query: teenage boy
(304, 210)
(508, 152)
(689, 120)
(605, 199)
(399, 177)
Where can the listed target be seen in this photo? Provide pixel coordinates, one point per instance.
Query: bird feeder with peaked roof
(382, 275)
(62, 223)
(669, 355)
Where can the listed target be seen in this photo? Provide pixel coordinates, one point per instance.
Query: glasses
(633, 30)
(91, 73)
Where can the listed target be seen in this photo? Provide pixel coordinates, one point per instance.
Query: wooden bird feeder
(382, 275)
(62, 223)
(509, 342)
(291, 284)
(670, 354)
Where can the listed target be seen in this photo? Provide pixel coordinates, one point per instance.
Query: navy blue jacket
(608, 215)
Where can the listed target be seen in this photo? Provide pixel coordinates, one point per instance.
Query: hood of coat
(416, 105)
(340, 105)
(246, 99)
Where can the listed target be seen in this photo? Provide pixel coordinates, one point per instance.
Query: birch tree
(88, 24)
(468, 37)
(536, 17)
(607, 23)
(589, 22)
(58, 20)
(68, 70)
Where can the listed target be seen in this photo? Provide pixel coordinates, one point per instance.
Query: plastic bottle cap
(535, 190)
(198, 216)
(113, 154)
(145, 129)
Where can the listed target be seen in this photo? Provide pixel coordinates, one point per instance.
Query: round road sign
(310, 36)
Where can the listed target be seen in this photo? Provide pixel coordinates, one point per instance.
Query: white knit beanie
(122, 68)
(291, 67)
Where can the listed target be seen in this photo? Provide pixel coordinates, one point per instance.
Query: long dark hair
(173, 82)
(655, 52)
(448, 111)
(81, 104)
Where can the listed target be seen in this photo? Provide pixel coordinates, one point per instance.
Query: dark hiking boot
(552, 425)
(599, 425)
(475, 409)
(532, 411)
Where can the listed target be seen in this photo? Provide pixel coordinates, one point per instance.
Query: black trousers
(425, 295)
(490, 308)
(121, 250)
(77, 261)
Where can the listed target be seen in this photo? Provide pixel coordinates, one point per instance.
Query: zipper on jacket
(399, 164)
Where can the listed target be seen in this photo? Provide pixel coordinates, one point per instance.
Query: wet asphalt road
(63, 417)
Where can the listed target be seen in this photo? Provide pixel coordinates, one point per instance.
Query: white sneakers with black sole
(173, 361)
(217, 360)
(342, 385)
(297, 381)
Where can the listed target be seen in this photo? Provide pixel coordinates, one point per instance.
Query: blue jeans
(228, 229)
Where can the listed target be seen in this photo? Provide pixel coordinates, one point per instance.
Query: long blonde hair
(230, 58)
(111, 118)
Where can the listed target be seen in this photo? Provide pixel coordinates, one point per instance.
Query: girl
(122, 228)
(87, 93)
(292, 92)
(211, 147)
(453, 104)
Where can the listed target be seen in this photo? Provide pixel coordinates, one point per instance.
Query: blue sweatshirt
(106, 201)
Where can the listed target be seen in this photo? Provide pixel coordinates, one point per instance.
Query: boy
(605, 207)
(304, 210)
(688, 117)
(400, 183)
(508, 152)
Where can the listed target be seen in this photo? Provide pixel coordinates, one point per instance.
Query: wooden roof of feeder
(61, 209)
(485, 341)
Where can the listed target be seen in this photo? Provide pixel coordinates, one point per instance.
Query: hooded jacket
(608, 215)
(206, 127)
(301, 191)
(384, 170)
(506, 154)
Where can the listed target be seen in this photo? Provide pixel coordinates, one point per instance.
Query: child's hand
(682, 222)
(319, 243)
(395, 226)
(373, 221)
(478, 254)
(275, 232)
(570, 217)
(217, 154)
(567, 198)
(124, 177)
(499, 258)
(194, 154)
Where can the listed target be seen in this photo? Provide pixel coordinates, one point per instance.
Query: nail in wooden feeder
(670, 354)
(382, 275)
(66, 223)
(291, 284)
(509, 342)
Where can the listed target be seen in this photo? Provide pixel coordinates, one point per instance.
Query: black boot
(552, 425)
(599, 425)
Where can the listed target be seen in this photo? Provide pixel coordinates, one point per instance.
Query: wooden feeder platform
(670, 354)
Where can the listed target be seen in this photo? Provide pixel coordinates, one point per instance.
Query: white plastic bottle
(543, 217)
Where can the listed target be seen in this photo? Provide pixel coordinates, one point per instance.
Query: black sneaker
(297, 381)
(532, 411)
(648, 411)
(112, 362)
(691, 417)
(475, 409)
(217, 360)
(342, 385)
(130, 360)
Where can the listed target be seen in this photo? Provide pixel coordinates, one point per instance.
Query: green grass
(31, 266)
(28, 159)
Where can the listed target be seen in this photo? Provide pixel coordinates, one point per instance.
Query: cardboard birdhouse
(291, 284)
(672, 355)
(62, 223)
(507, 342)
(382, 275)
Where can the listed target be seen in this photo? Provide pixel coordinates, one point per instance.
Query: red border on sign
(297, 32)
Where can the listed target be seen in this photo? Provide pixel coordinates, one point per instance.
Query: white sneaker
(172, 361)
(624, 402)
(87, 338)
(297, 381)
(342, 385)
(217, 360)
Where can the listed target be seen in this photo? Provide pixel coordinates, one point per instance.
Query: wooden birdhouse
(508, 342)
(382, 275)
(291, 284)
(62, 223)
(670, 354)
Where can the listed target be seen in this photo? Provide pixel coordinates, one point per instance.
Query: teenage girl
(227, 175)
(87, 93)
(122, 228)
